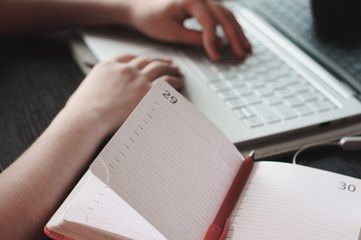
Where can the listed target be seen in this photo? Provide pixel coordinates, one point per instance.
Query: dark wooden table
(37, 75)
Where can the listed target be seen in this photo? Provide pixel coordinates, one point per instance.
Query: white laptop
(277, 90)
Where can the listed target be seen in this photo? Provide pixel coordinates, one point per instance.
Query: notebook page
(170, 163)
(97, 206)
(284, 201)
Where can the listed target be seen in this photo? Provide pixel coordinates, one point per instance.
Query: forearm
(35, 183)
(19, 16)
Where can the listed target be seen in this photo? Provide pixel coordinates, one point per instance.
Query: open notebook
(277, 91)
(165, 174)
(275, 208)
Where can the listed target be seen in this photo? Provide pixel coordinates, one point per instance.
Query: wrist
(134, 9)
(117, 12)
(86, 125)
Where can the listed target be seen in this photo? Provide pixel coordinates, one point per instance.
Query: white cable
(310, 146)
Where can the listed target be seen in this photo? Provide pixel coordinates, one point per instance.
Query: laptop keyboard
(263, 89)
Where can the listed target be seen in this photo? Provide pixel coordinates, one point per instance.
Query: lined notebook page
(98, 207)
(284, 201)
(170, 163)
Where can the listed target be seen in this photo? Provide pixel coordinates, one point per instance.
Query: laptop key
(227, 74)
(208, 73)
(251, 99)
(308, 95)
(235, 103)
(243, 112)
(219, 86)
(203, 65)
(236, 81)
(247, 75)
(304, 110)
(263, 91)
(253, 121)
(299, 87)
(285, 93)
(266, 113)
(272, 100)
(256, 83)
(285, 111)
(293, 78)
(272, 74)
(319, 105)
(244, 90)
(278, 84)
(228, 94)
(294, 101)
(264, 56)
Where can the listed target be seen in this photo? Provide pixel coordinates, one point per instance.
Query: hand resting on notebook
(33, 186)
(115, 87)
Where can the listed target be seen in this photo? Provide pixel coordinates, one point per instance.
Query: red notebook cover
(54, 235)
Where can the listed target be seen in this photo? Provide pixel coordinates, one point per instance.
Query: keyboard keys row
(263, 89)
(266, 114)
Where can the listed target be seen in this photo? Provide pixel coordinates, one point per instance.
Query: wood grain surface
(37, 75)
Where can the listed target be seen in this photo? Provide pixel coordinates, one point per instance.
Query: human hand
(113, 88)
(163, 20)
